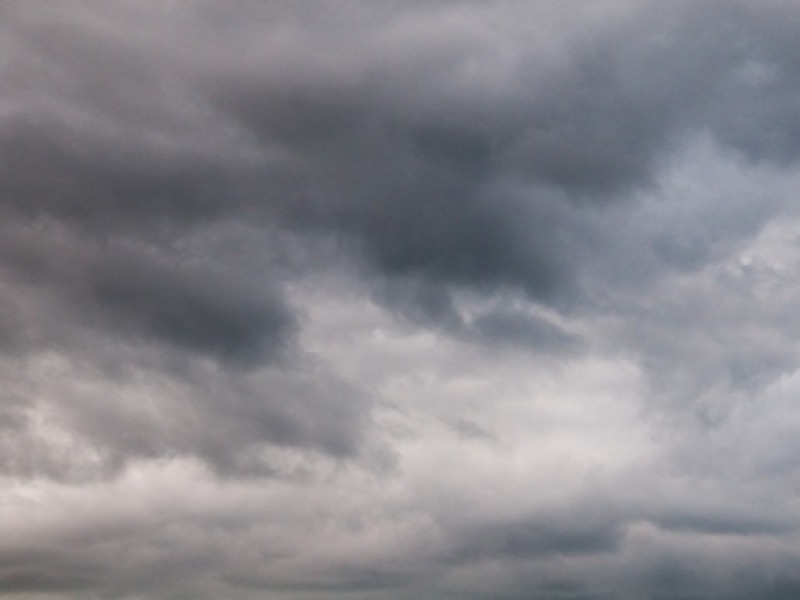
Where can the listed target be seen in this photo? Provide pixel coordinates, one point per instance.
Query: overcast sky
(390, 300)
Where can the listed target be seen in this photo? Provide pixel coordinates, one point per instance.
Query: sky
(391, 299)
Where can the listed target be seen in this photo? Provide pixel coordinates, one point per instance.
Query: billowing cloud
(402, 299)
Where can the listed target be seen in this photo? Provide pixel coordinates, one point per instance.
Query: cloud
(423, 299)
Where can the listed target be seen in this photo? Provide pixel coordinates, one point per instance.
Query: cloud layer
(401, 299)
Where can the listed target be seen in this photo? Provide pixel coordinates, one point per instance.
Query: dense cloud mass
(389, 300)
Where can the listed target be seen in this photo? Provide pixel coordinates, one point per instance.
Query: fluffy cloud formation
(402, 299)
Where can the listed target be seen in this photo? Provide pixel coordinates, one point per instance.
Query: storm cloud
(399, 299)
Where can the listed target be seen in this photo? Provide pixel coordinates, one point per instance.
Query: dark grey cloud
(200, 310)
(523, 540)
(405, 151)
(442, 182)
(188, 301)
(452, 299)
